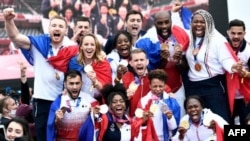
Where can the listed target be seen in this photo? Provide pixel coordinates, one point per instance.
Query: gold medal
(197, 67)
(57, 76)
(195, 51)
(164, 46)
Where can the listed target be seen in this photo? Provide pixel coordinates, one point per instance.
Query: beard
(73, 96)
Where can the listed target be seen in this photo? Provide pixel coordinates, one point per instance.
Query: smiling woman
(18, 128)
(115, 125)
(90, 54)
(199, 123)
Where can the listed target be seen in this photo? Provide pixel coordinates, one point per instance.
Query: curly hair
(109, 92)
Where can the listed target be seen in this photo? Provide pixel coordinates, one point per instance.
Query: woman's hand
(146, 116)
(91, 75)
(182, 132)
(121, 69)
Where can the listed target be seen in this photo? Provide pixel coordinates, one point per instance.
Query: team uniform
(151, 44)
(162, 126)
(201, 132)
(74, 117)
(49, 75)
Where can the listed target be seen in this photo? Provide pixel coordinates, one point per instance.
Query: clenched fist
(9, 14)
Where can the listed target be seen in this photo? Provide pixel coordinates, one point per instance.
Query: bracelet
(23, 75)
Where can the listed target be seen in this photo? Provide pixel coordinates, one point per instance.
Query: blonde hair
(97, 55)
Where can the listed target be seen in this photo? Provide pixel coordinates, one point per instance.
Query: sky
(239, 9)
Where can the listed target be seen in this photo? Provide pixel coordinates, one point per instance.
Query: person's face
(68, 14)
(57, 30)
(88, 47)
(122, 13)
(236, 35)
(194, 110)
(139, 63)
(11, 104)
(118, 105)
(73, 86)
(123, 45)
(163, 26)
(82, 26)
(14, 130)
(134, 24)
(198, 25)
(157, 87)
(86, 9)
(104, 10)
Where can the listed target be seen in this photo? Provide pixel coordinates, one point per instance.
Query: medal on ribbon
(195, 52)
(197, 66)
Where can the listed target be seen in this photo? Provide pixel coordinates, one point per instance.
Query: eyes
(17, 131)
(159, 23)
(121, 41)
(135, 20)
(116, 101)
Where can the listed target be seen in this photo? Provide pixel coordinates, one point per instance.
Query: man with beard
(69, 111)
(240, 50)
(49, 54)
(136, 79)
(164, 44)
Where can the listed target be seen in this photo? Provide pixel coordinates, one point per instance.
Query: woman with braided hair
(208, 58)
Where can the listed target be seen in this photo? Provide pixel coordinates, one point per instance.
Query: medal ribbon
(77, 103)
(198, 46)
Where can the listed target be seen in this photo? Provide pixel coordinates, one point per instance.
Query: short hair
(193, 97)
(133, 12)
(72, 74)
(237, 22)
(122, 32)
(60, 18)
(136, 51)
(159, 74)
(24, 124)
(82, 19)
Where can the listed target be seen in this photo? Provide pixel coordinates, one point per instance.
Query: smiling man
(132, 25)
(45, 53)
(69, 111)
(236, 33)
(136, 79)
(164, 44)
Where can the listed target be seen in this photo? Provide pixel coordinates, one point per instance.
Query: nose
(75, 86)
